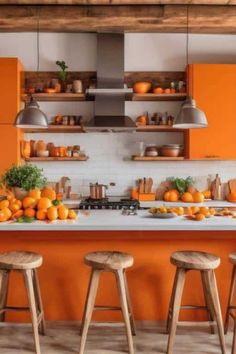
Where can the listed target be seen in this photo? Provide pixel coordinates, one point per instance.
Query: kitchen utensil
(98, 191)
(32, 148)
(217, 188)
(171, 150)
(151, 150)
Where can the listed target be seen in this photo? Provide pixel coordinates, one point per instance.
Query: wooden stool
(230, 305)
(26, 263)
(115, 262)
(205, 263)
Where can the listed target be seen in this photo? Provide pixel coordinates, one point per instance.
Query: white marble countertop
(107, 220)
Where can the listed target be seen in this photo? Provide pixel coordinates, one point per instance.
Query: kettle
(97, 191)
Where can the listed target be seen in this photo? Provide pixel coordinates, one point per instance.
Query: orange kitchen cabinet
(213, 86)
(11, 83)
(9, 146)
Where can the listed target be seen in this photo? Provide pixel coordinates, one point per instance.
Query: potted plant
(21, 179)
(62, 73)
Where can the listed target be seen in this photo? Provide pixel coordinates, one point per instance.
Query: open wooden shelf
(47, 159)
(56, 129)
(56, 97)
(69, 97)
(159, 97)
(157, 158)
(156, 128)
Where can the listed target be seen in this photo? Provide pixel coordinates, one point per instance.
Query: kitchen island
(64, 277)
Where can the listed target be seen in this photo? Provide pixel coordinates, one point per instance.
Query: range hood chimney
(109, 106)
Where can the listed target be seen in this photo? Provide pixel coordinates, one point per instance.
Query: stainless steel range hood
(109, 106)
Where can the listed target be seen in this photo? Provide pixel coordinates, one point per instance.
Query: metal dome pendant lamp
(31, 116)
(189, 116)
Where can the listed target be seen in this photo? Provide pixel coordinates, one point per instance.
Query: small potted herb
(21, 179)
(62, 73)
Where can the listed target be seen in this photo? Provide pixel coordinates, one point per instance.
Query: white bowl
(43, 153)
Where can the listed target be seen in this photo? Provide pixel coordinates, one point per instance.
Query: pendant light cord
(38, 10)
(187, 34)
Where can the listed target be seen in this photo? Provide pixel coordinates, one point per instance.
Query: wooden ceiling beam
(135, 18)
(117, 2)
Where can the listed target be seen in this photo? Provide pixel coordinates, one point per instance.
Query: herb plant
(63, 73)
(182, 184)
(26, 177)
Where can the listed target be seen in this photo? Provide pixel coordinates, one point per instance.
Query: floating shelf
(156, 128)
(157, 158)
(159, 97)
(47, 159)
(56, 129)
(54, 97)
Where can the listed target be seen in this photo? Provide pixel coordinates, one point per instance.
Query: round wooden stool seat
(195, 260)
(232, 258)
(20, 260)
(109, 260)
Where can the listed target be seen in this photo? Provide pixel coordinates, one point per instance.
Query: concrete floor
(63, 338)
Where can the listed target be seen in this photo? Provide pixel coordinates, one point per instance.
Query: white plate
(163, 215)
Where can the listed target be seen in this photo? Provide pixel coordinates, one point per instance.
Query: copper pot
(97, 191)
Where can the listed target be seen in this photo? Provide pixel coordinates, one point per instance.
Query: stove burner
(108, 204)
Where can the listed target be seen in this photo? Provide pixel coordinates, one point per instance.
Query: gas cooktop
(109, 204)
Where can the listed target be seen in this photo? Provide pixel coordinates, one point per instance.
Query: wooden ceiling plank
(129, 18)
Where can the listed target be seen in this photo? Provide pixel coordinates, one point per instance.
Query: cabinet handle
(212, 156)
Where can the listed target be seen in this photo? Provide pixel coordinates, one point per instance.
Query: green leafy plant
(63, 73)
(26, 177)
(182, 184)
(25, 219)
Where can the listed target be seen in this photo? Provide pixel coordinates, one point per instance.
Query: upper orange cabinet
(10, 89)
(213, 86)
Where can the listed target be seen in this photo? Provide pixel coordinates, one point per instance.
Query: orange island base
(64, 277)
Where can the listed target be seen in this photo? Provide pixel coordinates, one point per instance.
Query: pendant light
(190, 116)
(31, 116)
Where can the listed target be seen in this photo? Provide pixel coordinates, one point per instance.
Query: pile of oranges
(38, 204)
(196, 197)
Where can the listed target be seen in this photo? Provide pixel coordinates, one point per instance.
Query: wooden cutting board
(232, 185)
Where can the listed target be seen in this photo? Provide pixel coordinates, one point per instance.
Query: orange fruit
(52, 213)
(204, 210)
(59, 196)
(4, 203)
(41, 214)
(199, 217)
(17, 214)
(29, 202)
(173, 196)
(15, 205)
(195, 210)
(72, 214)
(187, 197)
(35, 193)
(63, 212)
(188, 211)
(166, 196)
(198, 197)
(207, 194)
(48, 193)
(44, 203)
(5, 214)
(231, 197)
(212, 211)
(158, 90)
(29, 212)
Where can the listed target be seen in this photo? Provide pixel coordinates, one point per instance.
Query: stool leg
(124, 306)
(230, 300)
(171, 303)
(38, 298)
(234, 339)
(210, 311)
(28, 275)
(213, 292)
(180, 280)
(131, 315)
(4, 274)
(89, 305)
